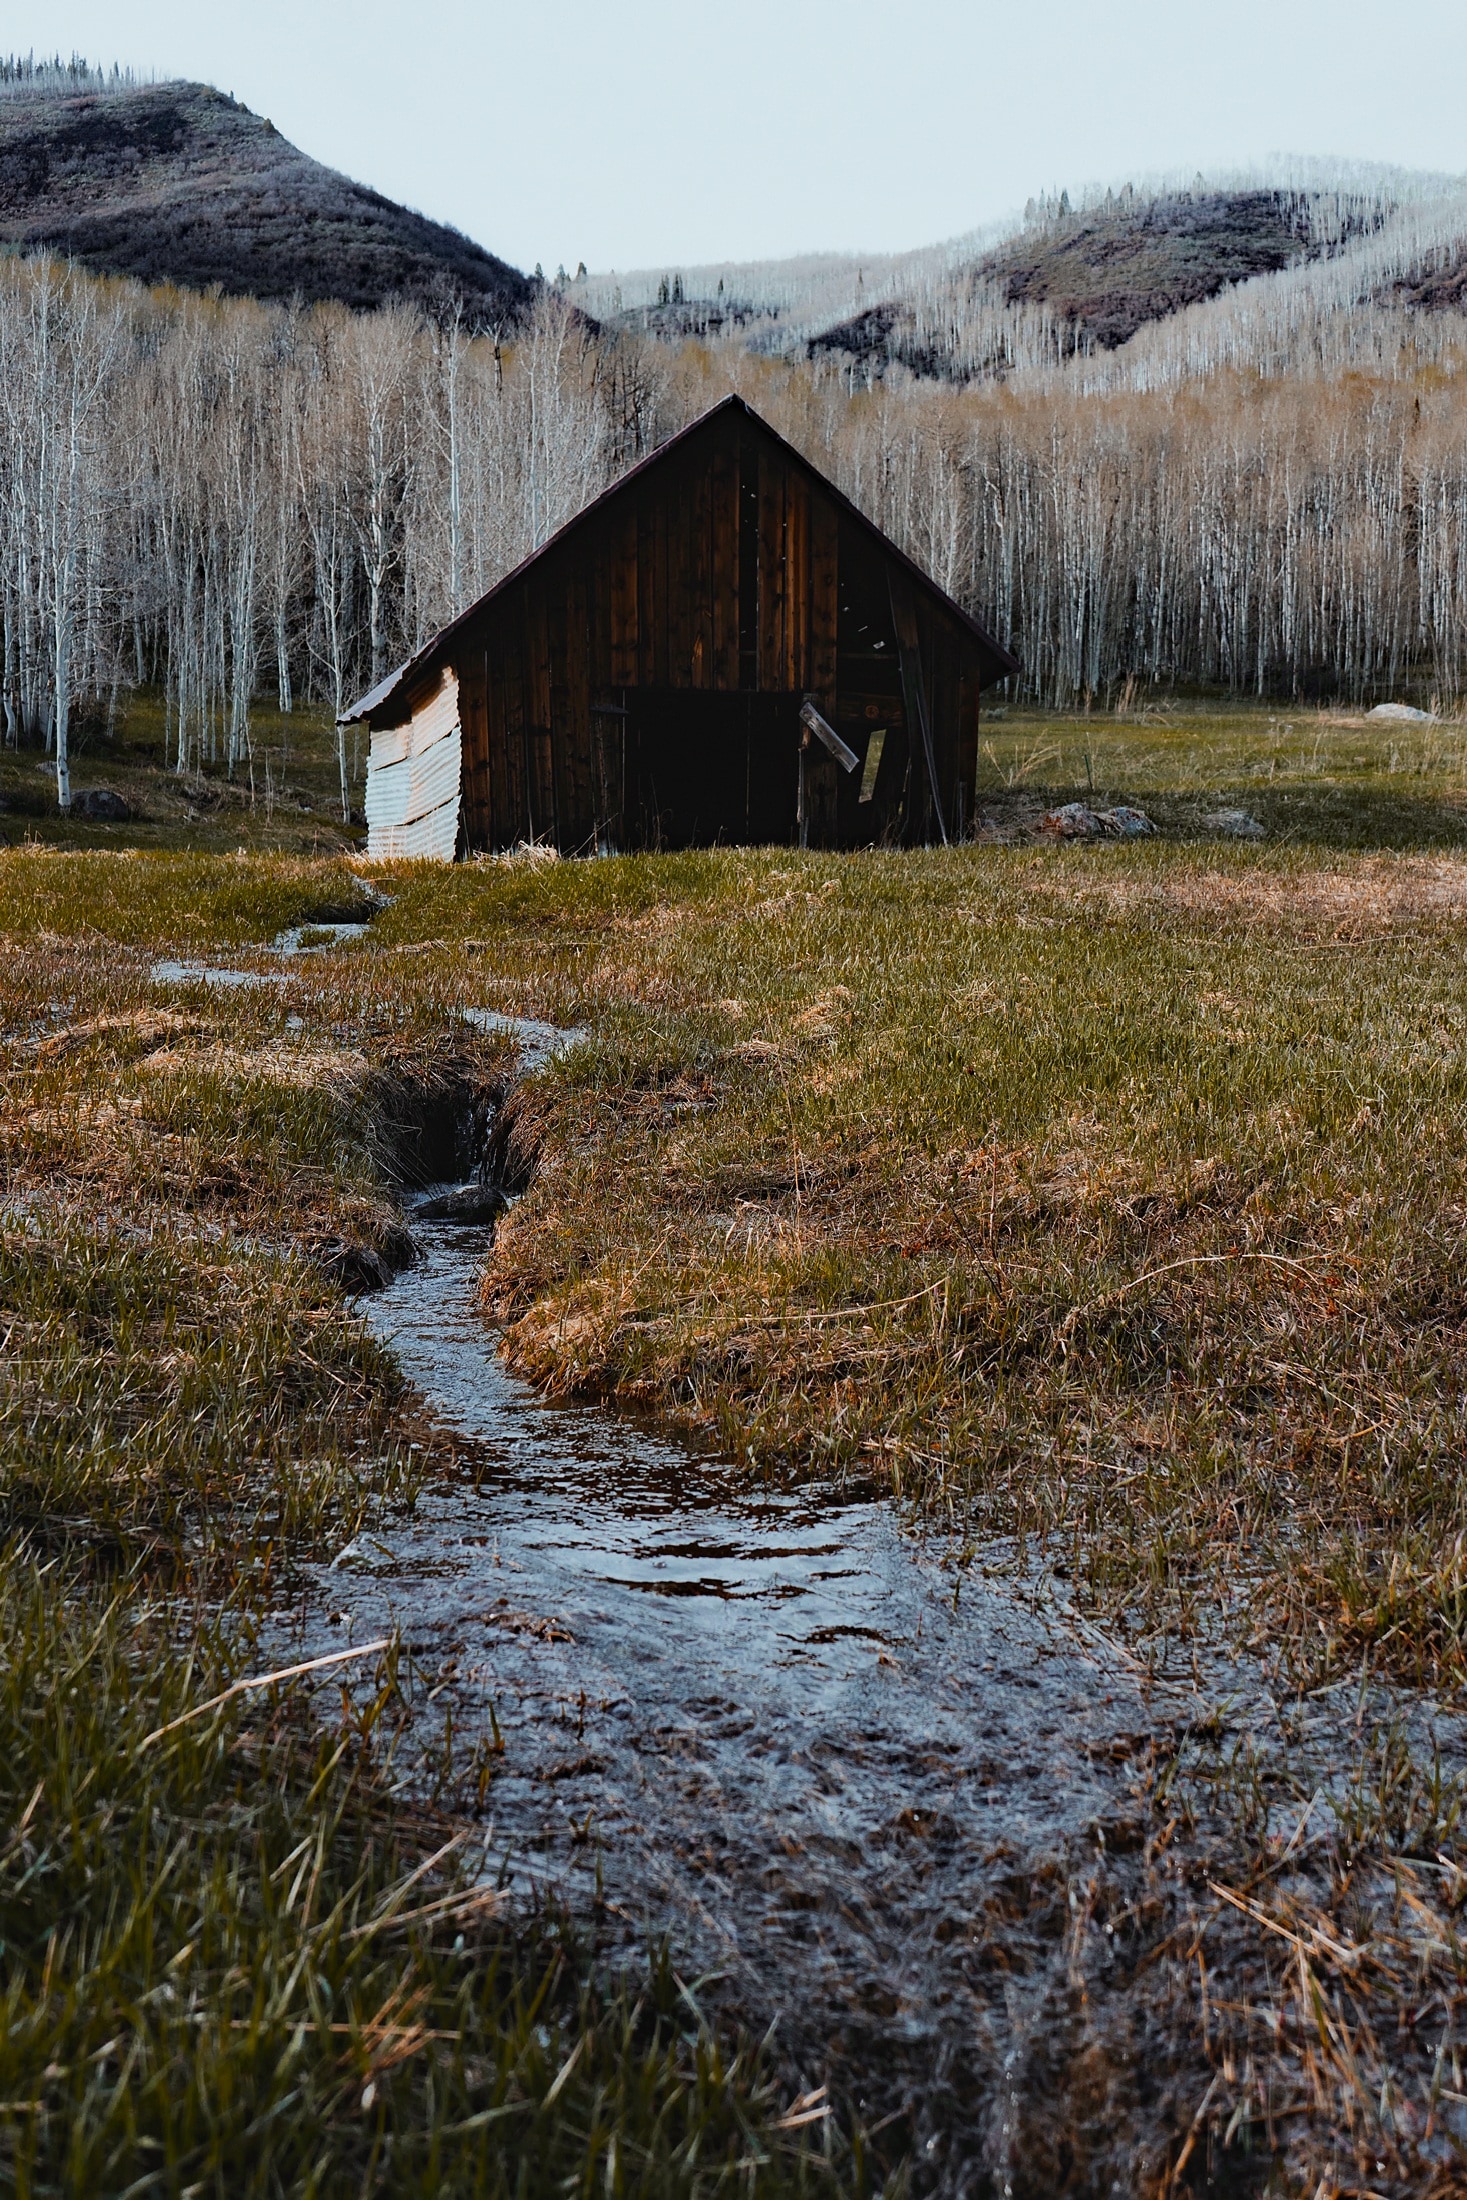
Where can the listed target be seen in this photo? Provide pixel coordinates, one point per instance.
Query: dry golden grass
(1109, 1204)
(1305, 901)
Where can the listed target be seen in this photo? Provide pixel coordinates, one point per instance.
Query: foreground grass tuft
(220, 1971)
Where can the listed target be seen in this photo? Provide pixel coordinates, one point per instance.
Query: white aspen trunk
(455, 501)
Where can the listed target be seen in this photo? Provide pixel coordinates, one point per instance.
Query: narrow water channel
(903, 1817)
(769, 1728)
(861, 1798)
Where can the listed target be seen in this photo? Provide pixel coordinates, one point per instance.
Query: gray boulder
(1401, 714)
(101, 806)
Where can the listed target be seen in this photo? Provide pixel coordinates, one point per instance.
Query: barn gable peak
(397, 684)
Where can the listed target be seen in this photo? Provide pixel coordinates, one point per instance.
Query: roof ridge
(732, 400)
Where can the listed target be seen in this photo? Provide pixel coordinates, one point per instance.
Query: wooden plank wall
(824, 599)
(653, 593)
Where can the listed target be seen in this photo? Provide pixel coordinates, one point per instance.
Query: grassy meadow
(285, 797)
(1105, 1203)
(1312, 775)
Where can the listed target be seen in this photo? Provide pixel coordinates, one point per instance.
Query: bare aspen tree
(452, 376)
(376, 354)
(1267, 492)
(323, 503)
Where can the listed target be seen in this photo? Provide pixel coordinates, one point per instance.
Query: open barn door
(703, 768)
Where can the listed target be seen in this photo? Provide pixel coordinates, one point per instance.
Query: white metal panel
(392, 747)
(397, 793)
(413, 781)
(435, 836)
(429, 723)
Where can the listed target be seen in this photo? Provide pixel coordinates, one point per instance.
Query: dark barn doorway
(705, 768)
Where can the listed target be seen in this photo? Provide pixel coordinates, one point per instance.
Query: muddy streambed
(854, 1791)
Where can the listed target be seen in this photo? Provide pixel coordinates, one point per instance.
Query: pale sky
(637, 133)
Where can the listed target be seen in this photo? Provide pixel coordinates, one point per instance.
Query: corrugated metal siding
(435, 836)
(399, 793)
(413, 781)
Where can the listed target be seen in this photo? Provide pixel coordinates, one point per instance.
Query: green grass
(221, 1967)
(1108, 1203)
(1322, 777)
(213, 1978)
(1319, 775)
(285, 797)
(165, 900)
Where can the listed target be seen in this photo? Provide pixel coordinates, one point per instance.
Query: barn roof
(1003, 660)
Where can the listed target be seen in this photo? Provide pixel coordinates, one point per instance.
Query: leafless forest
(1267, 491)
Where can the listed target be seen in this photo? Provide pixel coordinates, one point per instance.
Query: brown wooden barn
(720, 648)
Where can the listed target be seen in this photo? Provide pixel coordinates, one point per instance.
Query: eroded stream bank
(932, 1833)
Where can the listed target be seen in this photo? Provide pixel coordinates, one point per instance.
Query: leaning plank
(844, 756)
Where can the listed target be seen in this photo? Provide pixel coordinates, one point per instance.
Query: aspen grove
(219, 498)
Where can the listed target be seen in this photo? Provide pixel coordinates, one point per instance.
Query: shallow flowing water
(770, 1727)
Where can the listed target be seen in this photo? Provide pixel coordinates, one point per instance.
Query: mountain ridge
(177, 182)
(1076, 286)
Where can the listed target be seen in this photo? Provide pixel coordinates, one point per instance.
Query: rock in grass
(1233, 824)
(357, 1266)
(1074, 821)
(1402, 714)
(101, 806)
(1125, 823)
(1071, 821)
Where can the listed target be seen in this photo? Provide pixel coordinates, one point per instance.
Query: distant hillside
(1439, 287)
(1093, 289)
(1115, 267)
(179, 183)
(1103, 273)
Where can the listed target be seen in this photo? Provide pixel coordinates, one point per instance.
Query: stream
(770, 1727)
(896, 1812)
(869, 1800)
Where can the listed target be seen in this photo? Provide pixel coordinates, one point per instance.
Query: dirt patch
(1378, 895)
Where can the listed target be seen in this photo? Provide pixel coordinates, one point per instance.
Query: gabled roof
(736, 407)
